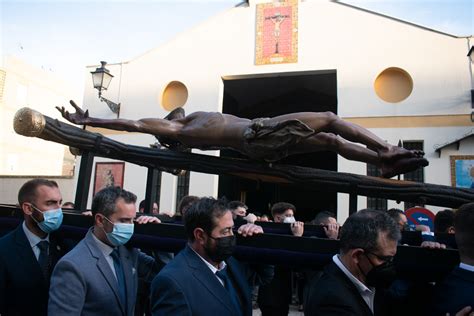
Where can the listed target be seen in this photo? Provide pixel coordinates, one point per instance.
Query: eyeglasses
(381, 258)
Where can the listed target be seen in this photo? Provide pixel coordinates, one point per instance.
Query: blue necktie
(120, 277)
(43, 258)
(222, 274)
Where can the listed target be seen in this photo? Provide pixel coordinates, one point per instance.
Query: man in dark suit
(100, 275)
(353, 284)
(457, 290)
(204, 279)
(29, 253)
(274, 298)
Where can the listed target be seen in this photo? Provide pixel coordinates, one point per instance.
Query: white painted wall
(22, 158)
(9, 187)
(28, 86)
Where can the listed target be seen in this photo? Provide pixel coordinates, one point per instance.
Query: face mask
(408, 227)
(289, 220)
(121, 233)
(52, 219)
(223, 250)
(382, 275)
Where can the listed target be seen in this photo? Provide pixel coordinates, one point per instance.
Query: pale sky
(450, 16)
(64, 36)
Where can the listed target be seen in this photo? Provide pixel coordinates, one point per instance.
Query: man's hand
(331, 231)
(144, 219)
(422, 228)
(466, 311)
(79, 117)
(249, 230)
(432, 245)
(297, 228)
(250, 218)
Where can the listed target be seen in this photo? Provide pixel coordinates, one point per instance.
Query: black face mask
(224, 248)
(381, 276)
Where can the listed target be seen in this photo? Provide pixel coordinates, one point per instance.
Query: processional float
(270, 248)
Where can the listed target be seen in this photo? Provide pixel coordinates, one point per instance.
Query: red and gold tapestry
(277, 33)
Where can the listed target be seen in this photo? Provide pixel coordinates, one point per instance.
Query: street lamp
(101, 78)
(471, 57)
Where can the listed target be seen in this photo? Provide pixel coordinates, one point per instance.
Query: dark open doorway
(269, 95)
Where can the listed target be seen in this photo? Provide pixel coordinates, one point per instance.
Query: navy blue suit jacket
(23, 288)
(186, 286)
(454, 293)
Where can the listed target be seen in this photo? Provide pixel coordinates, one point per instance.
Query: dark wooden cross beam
(32, 123)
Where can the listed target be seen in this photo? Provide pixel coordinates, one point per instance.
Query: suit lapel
(104, 267)
(241, 285)
(464, 274)
(209, 281)
(351, 287)
(55, 250)
(26, 255)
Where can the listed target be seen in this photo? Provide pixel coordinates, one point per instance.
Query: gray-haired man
(353, 284)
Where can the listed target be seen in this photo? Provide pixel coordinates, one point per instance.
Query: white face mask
(289, 220)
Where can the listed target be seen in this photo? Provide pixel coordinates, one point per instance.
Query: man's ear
(99, 220)
(27, 208)
(451, 230)
(355, 254)
(200, 235)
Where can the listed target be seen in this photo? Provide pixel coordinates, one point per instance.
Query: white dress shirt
(222, 265)
(33, 240)
(466, 266)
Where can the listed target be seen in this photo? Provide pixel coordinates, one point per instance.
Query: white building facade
(23, 158)
(401, 81)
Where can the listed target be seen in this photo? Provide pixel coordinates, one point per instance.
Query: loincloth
(267, 141)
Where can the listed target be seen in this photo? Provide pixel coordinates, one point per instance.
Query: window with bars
(183, 186)
(372, 202)
(419, 174)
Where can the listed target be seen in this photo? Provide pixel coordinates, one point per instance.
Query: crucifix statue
(267, 139)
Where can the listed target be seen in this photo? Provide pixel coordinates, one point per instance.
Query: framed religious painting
(462, 171)
(277, 33)
(108, 174)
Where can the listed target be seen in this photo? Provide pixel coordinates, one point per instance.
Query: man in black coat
(457, 289)
(274, 298)
(29, 253)
(204, 279)
(353, 284)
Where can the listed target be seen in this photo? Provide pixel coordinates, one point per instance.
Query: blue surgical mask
(121, 233)
(52, 219)
(289, 220)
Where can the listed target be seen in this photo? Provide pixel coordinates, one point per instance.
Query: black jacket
(334, 294)
(23, 288)
(454, 293)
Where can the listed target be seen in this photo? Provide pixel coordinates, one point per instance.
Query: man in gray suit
(99, 276)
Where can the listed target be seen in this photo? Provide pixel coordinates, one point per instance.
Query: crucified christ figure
(268, 139)
(277, 20)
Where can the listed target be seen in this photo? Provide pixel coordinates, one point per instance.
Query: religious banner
(277, 33)
(108, 174)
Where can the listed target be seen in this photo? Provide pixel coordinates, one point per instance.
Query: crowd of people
(41, 273)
